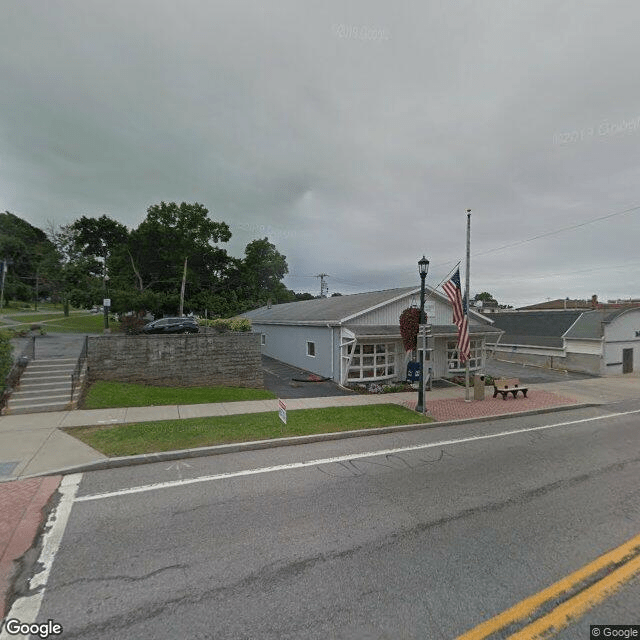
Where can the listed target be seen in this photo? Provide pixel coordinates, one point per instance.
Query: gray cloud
(354, 154)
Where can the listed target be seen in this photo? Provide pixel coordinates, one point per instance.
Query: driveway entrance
(286, 382)
(529, 374)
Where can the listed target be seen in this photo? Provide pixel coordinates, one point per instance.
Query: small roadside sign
(106, 302)
(282, 411)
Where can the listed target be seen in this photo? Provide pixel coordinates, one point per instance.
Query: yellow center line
(525, 608)
(575, 607)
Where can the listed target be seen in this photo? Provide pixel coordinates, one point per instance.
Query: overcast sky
(354, 135)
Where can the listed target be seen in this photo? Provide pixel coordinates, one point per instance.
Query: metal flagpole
(466, 372)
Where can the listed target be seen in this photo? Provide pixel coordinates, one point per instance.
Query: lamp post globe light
(423, 269)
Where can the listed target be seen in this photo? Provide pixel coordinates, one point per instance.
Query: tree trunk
(140, 287)
(184, 278)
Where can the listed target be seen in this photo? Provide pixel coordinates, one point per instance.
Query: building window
(372, 362)
(475, 359)
(263, 339)
(311, 349)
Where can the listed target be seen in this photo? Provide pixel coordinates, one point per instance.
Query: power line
(566, 273)
(551, 233)
(545, 235)
(351, 284)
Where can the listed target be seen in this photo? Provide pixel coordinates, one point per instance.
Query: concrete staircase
(45, 385)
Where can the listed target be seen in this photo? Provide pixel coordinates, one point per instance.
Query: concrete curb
(200, 452)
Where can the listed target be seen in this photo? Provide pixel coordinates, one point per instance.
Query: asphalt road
(418, 543)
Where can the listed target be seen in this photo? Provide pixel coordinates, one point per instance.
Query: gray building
(356, 338)
(601, 342)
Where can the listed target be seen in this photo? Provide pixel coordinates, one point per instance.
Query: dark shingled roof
(324, 310)
(535, 328)
(590, 324)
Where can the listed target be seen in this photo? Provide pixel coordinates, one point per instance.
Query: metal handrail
(75, 376)
(12, 379)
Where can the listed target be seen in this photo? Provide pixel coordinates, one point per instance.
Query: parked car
(172, 325)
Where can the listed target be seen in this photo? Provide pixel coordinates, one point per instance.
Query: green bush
(227, 324)
(6, 356)
(22, 332)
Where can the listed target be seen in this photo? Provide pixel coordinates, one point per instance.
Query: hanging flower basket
(409, 327)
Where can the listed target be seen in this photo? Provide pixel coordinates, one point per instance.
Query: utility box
(478, 387)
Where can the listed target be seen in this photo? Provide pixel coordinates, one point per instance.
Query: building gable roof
(590, 325)
(326, 310)
(338, 309)
(587, 327)
(536, 328)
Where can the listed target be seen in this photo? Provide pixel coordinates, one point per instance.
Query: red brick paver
(21, 503)
(458, 408)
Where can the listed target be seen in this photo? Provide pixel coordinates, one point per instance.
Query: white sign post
(282, 411)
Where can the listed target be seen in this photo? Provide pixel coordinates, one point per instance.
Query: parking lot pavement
(287, 381)
(530, 375)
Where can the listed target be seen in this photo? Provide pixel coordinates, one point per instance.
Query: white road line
(350, 456)
(26, 609)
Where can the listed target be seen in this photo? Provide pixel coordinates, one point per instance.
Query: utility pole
(184, 279)
(37, 282)
(324, 287)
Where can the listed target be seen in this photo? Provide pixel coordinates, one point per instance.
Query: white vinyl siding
(289, 344)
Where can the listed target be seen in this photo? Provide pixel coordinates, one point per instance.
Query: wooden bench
(505, 386)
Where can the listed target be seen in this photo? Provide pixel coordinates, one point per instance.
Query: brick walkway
(21, 503)
(457, 408)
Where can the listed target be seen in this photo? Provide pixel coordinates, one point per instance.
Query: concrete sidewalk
(33, 444)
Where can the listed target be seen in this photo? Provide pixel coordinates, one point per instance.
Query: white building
(356, 338)
(601, 342)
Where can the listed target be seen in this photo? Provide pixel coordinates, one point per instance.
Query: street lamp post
(105, 303)
(423, 268)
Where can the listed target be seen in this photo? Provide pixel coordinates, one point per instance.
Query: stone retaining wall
(187, 360)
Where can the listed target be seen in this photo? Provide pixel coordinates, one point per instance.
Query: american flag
(454, 292)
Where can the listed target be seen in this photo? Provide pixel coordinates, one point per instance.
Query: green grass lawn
(19, 307)
(57, 323)
(91, 323)
(170, 435)
(35, 317)
(104, 395)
